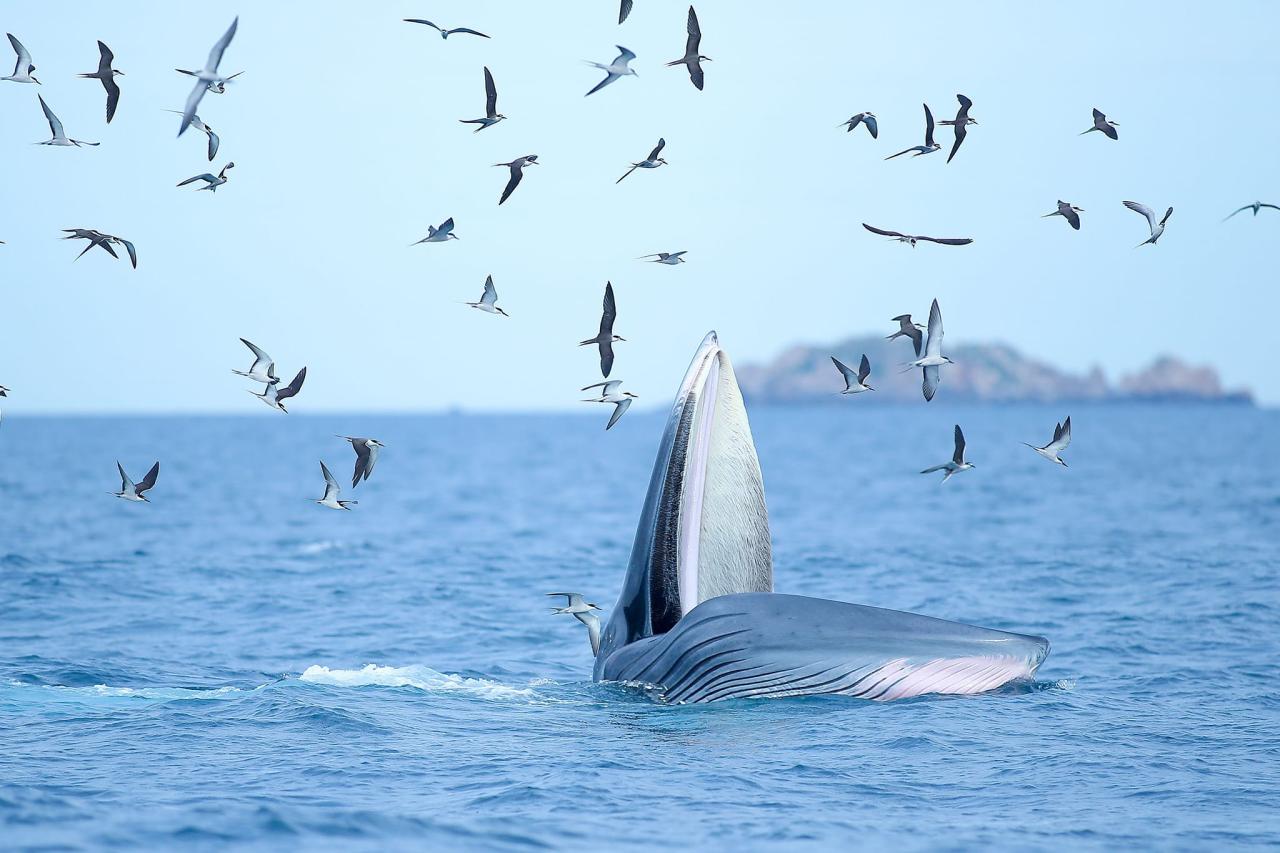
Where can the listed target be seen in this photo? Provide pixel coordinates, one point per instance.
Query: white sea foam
(419, 677)
(155, 694)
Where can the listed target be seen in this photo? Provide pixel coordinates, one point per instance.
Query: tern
(491, 114)
(653, 161)
(439, 235)
(517, 173)
(960, 124)
(131, 491)
(692, 58)
(366, 456)
(107, 76)
(575, 605)
(217, 87)
(211, 182)
(668, 258)
(1157, 228)
(614, 70)
(929, 145)
(60, 137)
(609, 393)
(908, 329)
(207, 78)
(868, 119)
(128, 247)
(274, 396)
(204, 128)
(624, 10)
(605, 338)
(263, 368)
(854, 383)
(1069, 212)
(933, 357)
(488, 300)
(1101, 123)
(4, 392)
(22, 68)
(1255, 207)
(957, 463)
(95, 238)
(1061, 438)
(444, 34)
(912, 239)
(331, 491)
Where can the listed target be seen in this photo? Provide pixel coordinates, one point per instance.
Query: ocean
(233, 667)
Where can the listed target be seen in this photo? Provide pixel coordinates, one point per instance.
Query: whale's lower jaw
(757, 645)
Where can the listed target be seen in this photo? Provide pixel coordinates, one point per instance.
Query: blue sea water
(232, 667)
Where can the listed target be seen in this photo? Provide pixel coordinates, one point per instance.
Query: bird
(439, 235)
(957, 463)
(207, 78)
(960, 124)
(1069, 212)
(107, 75)
(868, 119)
(22, 68)
(128, 247)
(614, 70)
(263, 368)
(624, 10)
(366, 456)
(653, 161)
(1255, 207)
(204, 128)
(331, 491)
(933, 357)
(668, 258)
(488, 300)
(605, 338)
(908, 329)
(274, 396)
(4, 392)
(95, 238)
(517, 173)
(929, 145)
(1157, 228)
(131, 491)
(692, 58)
(609, 393)
(211, 182)
(219, 87)
(912, 239)
(1061, 438)
(854, 383)
(60, 137)
(444, 34)
(1101, 123)
(491, 114)
(575, 604)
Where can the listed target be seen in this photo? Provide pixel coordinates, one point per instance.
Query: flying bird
(1069, 212)
(488, 300)
(200, 125)
(653, 161)
(854, 383)
(614, 70)
(211, 182)
(207, 78)
(517, 173)
(908, 329)
(1061, 438)
(107, 76)
(4, 392)
(668, 258)
(60, 137)
(1101, 123)
(960, 124)
(957, 463)
(444, 34)
(366, 456)
(933, 357)
(575, 604)
(624, 10)
(22, 68)
(131, 491)
(929, 145)
(605, 338)
(274, 396)
(1157, 228)
(912, 239)
(491, 114)
(95, 238)
(868, 119)
(331, 491)
(609, 393)
(1255, 207)
(128, 247)
(439, 235)
(263, 368)
(217, 87)
(692, 58)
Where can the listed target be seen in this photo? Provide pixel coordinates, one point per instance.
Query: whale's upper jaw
(704, 529)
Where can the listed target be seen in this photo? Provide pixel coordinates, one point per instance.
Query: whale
(697, 619)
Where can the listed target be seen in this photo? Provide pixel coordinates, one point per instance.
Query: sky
(344, 130)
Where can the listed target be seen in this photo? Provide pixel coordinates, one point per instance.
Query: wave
(420, 677)
(104, 691)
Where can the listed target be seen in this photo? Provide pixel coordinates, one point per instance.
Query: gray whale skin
(697, 619)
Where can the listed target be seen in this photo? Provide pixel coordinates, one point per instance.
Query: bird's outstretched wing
(928, 126)
(695, 35)
(490, 295)
(202, 177)
(517, 173)
(1137, 207)
(872, 127)
(845, 371)
(468, 32)
(864, 369)
(948, 241)
(930, 384)
(609, 312)
(422, 21)
(490, 94)
(958, 456)
(149, 481)
(934, 345)
(619, 409)
(293, 387)
(54, 124)
(882, 232)
(624, 10)
(662, 143)
(961, 133)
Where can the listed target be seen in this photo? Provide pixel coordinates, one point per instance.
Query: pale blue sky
(345, 135)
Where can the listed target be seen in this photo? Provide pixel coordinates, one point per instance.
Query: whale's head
(704, 529)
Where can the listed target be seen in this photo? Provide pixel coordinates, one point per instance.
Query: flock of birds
(926, 340)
